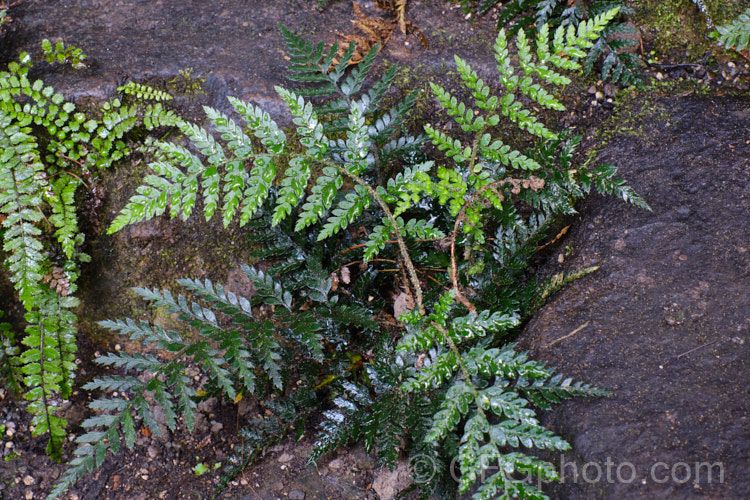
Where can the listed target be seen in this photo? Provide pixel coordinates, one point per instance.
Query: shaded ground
(670, 281)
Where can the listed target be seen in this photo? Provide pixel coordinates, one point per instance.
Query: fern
(141, 91)
(10, 365)
(617, 64)
(327, 205)
(244, 173)
(64, 55)
(735, 34)
(236, 359)
(48, 150)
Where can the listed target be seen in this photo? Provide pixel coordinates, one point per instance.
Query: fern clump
(329, 204)
(64, 55)
(242, 351)
(617, 64)
(49, 150)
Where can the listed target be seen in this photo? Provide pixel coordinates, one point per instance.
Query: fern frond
(21, 185)
(735, 34)
(62, 201)
(49, 363)
(354, 203)
(141, 91)
(602, 178)
(269, 290)
(10, 364)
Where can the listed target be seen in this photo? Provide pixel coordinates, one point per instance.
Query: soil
(667, 315)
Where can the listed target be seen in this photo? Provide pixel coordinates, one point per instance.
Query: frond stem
(413, 278)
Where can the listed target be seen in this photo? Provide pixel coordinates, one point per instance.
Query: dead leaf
(345, 275)
(403, 303)
(376, 30)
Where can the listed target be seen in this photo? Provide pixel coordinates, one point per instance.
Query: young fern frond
(141, 91)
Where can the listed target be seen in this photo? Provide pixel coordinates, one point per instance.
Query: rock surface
(667, 315)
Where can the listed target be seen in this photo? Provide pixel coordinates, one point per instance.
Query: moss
(186, 83)
(677, 25)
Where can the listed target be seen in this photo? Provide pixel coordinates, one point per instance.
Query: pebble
(297, 495)
(29, 495)
(152, 452)
(216, 427)
(285, 457)
(28, 480)
(659, 76)
(336, 464)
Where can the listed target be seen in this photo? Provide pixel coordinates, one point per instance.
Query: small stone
(29, 495)
(592, 89)
(152, 452)
(285, 457)
(243, 481)
(659, 76)
(216, 427)
(28, 480)
(599, 96)
(336, 464)
(297, 495)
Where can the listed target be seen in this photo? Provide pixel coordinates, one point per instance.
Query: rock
(296, 495)
(285, 457)
(667, 367)
(388, 484)
(336, 464)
